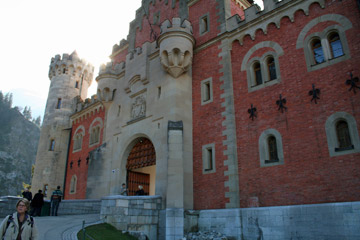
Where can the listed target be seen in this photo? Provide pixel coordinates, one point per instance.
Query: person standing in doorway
(140, 192)
(55, 201)
(36, 204)
(123, 190)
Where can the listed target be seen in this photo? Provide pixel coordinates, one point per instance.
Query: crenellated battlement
(71, 65)
(176, 26)
(267, 16)
(109, 68)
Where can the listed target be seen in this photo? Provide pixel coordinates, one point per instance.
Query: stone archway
(141, 167)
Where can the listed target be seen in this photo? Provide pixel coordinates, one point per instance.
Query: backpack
(11, 219)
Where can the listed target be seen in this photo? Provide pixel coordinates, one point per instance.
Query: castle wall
(309, 174)
(92, 117)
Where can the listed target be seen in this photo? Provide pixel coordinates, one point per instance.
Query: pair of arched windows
(325, 49)
(269, 69)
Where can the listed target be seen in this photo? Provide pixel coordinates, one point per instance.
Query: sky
(32, 32)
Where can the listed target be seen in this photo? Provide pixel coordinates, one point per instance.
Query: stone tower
(70, 78)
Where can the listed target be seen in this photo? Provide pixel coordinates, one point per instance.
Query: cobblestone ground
(63, 227)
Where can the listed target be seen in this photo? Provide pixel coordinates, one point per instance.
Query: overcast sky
(32, 32)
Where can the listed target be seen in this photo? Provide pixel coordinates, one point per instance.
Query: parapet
(175, 26)
(71, 65)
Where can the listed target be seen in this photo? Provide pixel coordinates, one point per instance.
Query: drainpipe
(67, 158)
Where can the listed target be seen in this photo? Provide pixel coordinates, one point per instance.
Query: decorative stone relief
(138, 107)
(176, 62)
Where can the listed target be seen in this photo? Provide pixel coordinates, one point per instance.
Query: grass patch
(104, 231)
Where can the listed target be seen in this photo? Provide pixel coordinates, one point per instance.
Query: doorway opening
(141, 167)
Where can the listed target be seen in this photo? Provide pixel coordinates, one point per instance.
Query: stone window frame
(248, 62)
(328, 59)
(96, 123)
(331, 135)
(206, 84)
(251, 79)
(264, 148)
(205, 158)
(73, 184)
(304, 39)
(203, 31)
(78, 136)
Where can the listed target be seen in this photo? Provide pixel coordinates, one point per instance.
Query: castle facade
(213, 105)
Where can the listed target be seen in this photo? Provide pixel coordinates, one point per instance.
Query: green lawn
(104, 231)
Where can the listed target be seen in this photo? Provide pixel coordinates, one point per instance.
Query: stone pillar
(175, 186)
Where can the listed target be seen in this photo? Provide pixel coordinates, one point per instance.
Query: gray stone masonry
(331, 221)
(132, 213)
(79, 207)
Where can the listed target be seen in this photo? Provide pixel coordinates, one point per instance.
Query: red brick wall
(166, 12)
(236, 9)
(309, 174)
(81, 171)
(198, 10)
(209, 190)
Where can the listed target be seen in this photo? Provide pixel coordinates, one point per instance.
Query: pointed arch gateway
(141, 167)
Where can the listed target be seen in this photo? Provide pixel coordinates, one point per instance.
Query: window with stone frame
(208, 157)
(95, 135)
(271, 148)
(206, 91)
(73, 184)
(326, 47)
(342, 134)
(263, 71)
(77, 142)
(204, 24)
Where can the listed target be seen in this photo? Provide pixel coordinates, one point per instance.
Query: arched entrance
(141, 167)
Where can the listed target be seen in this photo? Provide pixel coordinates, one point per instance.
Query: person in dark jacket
(37, 203)
(27, 194)
(140, 192)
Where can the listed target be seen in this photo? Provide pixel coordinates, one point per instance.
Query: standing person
(123, 190)
(27, 194)
(19, 225)
(140, 192)
(37, 203)
(55, 201)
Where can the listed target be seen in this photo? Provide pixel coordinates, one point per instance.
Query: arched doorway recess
(141, 167)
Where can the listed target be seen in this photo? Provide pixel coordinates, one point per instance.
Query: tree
(38, 121)
(8, 99)
(27, 113)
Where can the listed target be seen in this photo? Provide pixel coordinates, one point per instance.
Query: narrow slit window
(58, 105)
(77, 84)
(209, 159)
(204, 27)
(159, 92)
(207, 91)
(52, 145)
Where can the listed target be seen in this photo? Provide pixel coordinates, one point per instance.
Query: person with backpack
(55, 201)
(19, 225)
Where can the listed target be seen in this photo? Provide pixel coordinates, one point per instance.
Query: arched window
(271, 68)
(317, 51)
(273, 155)
(78, 141)
(73, 183)
(335, 45)
(257, 73)
(95, 135)
(343, 136)
(271, 148)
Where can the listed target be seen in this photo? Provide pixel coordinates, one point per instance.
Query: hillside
(18, 145)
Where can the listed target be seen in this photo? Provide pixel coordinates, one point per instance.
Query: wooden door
(134, 179)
